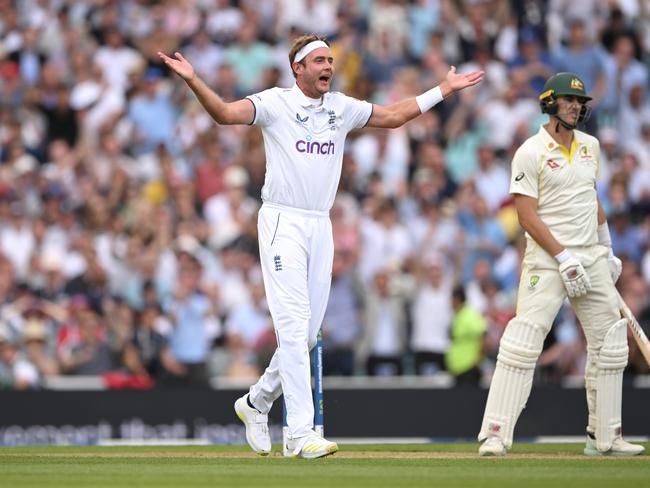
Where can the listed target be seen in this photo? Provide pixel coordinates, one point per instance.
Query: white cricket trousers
(296, 252)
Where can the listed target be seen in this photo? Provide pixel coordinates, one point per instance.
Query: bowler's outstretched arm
(224, 113)
(399, 113)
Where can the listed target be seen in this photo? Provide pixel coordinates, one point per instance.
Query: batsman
(568, 254)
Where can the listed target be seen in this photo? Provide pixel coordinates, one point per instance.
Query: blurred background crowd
(128, 243)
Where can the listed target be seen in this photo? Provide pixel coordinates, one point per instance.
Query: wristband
(604, 237)
(563, 256)
(429, 99)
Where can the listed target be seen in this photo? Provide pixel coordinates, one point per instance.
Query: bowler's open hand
(180, 65)
(458, 81)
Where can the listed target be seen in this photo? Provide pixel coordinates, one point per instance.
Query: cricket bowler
(304, 129)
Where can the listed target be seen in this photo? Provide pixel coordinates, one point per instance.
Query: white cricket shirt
(563, 182)
(304, 140)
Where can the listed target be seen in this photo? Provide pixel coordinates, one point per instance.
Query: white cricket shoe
(492, 446)
(619, 448)
(257, 428)
(310, 446)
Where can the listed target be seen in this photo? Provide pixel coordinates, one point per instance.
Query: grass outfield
(441, 465)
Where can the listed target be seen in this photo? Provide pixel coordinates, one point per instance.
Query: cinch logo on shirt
(313, 147)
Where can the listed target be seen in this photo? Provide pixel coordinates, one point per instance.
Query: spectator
(38, 349)
(113, 182)
(90, 352)
(248, 57)
(477, 29)
(384, 337)
(228, 211)
(249, 325)
(431, 317)
(29, 57)
(484, 237)
(424, 18)
(148, 352)
(153, 115)
(582, 57)
(467, 331)
(205, 56)
(117, 60)
(16, 372)
(492, 179)
(342, 323)
(224, 21)
(190, 340)
(385, 241)
(385, 152)
(626, 239)
(507, 116)
(17, 240)
(623, 72)
(61, 118)
(533, 65)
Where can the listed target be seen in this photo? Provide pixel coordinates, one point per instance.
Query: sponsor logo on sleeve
(519, 177)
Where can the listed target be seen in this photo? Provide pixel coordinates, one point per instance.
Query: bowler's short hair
(301, 42)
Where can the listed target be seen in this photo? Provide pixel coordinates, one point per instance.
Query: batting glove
(575, 277)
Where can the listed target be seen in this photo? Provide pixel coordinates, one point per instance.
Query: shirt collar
(306, 101)
(550, 143)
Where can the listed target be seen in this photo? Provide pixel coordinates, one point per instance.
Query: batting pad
(609, 393)
(519, 349)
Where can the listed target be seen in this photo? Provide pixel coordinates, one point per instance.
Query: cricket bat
(639, 336)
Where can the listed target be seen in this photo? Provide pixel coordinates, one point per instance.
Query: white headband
(313, 45)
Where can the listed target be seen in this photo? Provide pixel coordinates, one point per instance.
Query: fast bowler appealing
(568, 253)
(304, 129)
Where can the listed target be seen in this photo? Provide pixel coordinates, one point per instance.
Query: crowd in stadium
(128, 239)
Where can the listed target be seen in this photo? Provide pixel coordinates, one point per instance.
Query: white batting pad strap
(519, 349)
(609, 391)
(312, 46)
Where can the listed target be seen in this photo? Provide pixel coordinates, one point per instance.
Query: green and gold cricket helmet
(561, 84)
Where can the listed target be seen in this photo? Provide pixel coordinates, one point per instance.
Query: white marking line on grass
(382, 440)
(578, 439)
(154, 442)
(340, 455)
